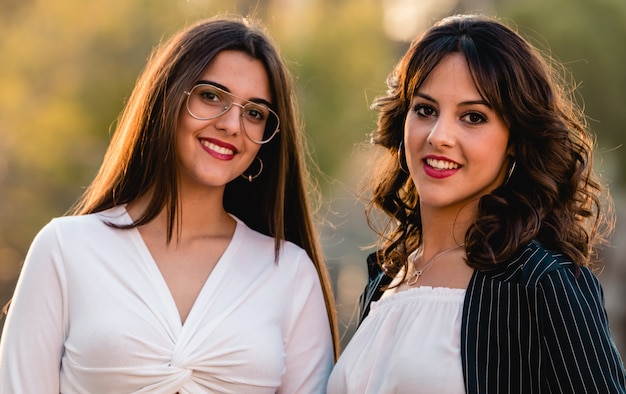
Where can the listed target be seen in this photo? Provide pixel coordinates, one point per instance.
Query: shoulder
(261, 246)
(261, 242)
(116, 215)
(77, 225)
(84, 227)
(531, 265)
(65, 240)
(539, 263)
(377, 279)
(547, 276)
(373, 268)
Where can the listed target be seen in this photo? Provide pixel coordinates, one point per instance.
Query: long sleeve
(32, 340)
(533, 326)
(309, 353)
(581, 357)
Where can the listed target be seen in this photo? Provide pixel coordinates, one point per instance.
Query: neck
(198, 215)
(442, 230)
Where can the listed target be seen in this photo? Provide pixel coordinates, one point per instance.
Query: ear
(510, 151)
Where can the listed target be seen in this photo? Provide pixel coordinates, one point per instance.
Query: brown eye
(474, 118)
(423, 110)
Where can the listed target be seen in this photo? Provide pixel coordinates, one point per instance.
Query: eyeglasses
(205, 102)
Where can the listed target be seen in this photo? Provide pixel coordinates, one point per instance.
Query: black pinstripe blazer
(531, 326)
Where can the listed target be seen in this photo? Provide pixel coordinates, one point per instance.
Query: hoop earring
(250, 177)
(508, 175)
(400, 159)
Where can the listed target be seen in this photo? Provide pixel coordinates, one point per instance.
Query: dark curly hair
(553, 195)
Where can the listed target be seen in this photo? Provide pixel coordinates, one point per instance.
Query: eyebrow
(256, 100)
(464, 103)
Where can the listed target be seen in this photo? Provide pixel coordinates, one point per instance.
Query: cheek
(492, 153)
(185, 124)
(186, 130)
(416, 130)
(415, 136)
(252, 150)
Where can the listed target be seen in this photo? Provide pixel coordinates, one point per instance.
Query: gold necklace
(417, 273)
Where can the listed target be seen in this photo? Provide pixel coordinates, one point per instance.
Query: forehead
(241, 74)
(451, 76)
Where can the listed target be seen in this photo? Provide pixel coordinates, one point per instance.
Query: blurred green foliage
(589, 37)
(66, 67)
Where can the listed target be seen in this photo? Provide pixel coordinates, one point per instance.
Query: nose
(442, 133)
(231, 120)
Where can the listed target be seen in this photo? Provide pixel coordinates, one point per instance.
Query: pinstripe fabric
(532, 326)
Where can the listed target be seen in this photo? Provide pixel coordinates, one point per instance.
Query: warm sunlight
(405, 19)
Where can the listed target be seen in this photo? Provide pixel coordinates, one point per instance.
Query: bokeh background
(67, 67)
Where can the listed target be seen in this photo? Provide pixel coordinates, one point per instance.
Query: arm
(308, 348)
(31, 346)
(581, 355)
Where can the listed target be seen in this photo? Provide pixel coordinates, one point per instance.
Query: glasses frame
(226, 109)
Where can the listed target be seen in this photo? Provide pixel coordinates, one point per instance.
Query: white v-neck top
(409, 343)
(92, 314)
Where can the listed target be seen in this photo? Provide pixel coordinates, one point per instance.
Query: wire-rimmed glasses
(258, 121)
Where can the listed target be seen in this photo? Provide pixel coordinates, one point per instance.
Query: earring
(250, 177)
(401, 161)
(508, 175)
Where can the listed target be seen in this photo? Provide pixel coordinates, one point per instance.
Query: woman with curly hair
(482, 282)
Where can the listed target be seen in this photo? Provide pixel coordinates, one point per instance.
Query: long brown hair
(553, 194)
(142, 154)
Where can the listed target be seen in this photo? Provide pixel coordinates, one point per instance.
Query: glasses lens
(259, 122)
(208, 102)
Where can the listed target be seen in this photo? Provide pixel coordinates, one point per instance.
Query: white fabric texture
(92, 314)
(409, 343)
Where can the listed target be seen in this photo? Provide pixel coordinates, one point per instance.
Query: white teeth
(218, 149)
(441, 164)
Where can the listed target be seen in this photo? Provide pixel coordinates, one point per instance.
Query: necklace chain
(417, 273)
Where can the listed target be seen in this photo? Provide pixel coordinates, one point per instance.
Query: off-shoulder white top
(409, 343)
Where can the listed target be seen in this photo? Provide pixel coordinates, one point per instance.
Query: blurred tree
(589, 37)
(342, 59)
(64, 76)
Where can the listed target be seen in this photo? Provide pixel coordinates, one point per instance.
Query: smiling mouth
(216, 148)
(442, 164)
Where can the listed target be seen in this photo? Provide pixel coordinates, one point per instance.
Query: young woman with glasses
(482, 282)
(191, 263)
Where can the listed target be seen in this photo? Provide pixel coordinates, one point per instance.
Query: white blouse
(409, 343)
(92, 314)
